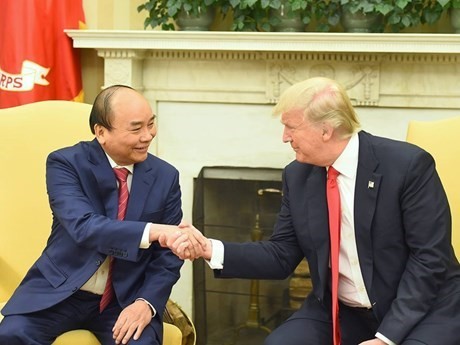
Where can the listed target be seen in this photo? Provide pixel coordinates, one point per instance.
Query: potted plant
(161, 12)
(393, 15)
(365, 15)
(432, 10)
(326, 14)
(282, 15)
(406, 14)
(290, 15)
(248, 15)
(157, 14)
(454, 12)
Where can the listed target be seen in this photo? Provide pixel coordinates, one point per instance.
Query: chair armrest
(171, 334)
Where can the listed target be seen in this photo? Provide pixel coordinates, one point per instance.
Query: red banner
(37, 60)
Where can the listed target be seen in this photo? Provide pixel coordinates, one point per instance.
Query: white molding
(378, 70)
(266, 41)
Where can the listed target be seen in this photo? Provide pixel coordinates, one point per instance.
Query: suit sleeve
(427, 225)
(78, 209)
(275, 258)
(163, 270)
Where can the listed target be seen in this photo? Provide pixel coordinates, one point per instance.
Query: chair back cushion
(442, 139)
(29, 133)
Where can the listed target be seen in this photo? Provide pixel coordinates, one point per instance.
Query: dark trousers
(357, 325)
(79, 311)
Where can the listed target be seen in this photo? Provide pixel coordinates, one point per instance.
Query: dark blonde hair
(321, 100)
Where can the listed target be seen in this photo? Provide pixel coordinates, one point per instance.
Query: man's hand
(132, 321)
(375, 341)
(185, 241)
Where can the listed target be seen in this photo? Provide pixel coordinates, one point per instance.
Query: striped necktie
(123, 194)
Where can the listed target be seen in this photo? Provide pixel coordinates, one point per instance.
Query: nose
(148, 134)
(286, 135)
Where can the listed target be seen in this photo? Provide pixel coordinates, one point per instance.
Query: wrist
(152, 309)
(207, 254)
(154, 232)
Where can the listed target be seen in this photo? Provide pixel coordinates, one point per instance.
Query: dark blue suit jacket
(83, 196)
(403, 235)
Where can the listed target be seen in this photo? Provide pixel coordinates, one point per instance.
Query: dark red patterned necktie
(123, 194)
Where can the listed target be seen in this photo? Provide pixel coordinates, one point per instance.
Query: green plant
(453, 4)
(368, 6)
(326, 13)
(256, 15)
(400, 14)
(248, 15)
(290, 9)
(410, 13)
(433, 10)
(157, 14)
(160, 12)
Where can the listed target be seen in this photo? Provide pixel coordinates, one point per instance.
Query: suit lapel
(105, 183)
(143, 178)
(317, 219)
(366, 191)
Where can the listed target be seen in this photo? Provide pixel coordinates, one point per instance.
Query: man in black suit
(399, 279)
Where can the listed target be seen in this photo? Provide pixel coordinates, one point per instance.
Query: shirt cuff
(217, 258)
(384, 339)
(145, 237)
(154, 312)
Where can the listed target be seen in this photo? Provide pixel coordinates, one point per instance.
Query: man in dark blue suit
(399, 279)
(62, 290)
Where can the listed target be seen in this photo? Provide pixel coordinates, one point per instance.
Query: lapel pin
(370, 185)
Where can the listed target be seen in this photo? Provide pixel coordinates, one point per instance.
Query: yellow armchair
(29, 133)
(441, 138)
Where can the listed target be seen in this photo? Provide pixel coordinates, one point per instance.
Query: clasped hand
(186, 241)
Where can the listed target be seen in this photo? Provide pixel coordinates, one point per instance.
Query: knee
(143, 341)
(148, 337)
(11, 334)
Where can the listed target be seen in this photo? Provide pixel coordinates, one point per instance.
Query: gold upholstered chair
(28, 134)
(441, 138)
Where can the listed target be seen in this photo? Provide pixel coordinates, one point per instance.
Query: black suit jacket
(403, 235)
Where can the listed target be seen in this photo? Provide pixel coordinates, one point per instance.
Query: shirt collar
(115, 165)
(347, 162)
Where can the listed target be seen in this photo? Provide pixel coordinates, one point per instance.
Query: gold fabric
(442, 140)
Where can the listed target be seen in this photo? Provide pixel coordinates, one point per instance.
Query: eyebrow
(139, 123)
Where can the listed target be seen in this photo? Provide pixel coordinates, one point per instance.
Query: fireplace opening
(240, 204)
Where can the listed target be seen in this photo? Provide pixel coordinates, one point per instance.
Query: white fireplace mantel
(378, 70)
(266, 41)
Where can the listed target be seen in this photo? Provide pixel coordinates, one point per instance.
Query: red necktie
(333, 205)
(122, 175)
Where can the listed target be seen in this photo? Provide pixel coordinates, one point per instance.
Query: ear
(327, 131)
(100, 133)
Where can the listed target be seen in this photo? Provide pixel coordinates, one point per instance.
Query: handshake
(184, 240)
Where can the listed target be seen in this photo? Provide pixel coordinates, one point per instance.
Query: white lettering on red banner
(31, 74)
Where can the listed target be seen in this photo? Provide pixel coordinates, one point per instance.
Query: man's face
(305, 137)
(133, 128)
